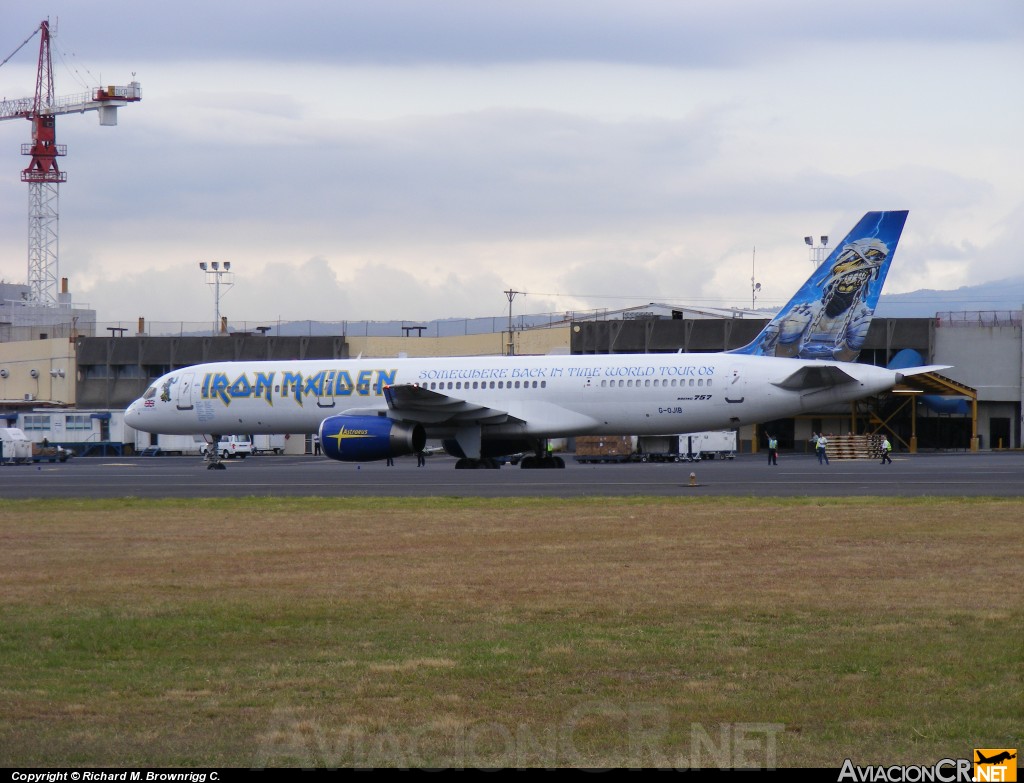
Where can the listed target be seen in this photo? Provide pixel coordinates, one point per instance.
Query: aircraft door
(735, 391)
(184, 399)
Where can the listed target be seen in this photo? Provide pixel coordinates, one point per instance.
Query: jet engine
(368, 438)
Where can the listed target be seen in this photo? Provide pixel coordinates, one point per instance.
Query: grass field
(650, 632)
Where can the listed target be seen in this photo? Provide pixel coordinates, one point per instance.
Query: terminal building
(70, 382)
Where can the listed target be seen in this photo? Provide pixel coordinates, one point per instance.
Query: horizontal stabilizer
(908, 371)
(811, 377)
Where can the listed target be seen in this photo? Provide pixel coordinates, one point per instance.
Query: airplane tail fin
(829, 316)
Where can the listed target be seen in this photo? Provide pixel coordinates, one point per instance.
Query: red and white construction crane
(43, 175)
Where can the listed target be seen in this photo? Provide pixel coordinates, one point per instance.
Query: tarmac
(945, 474)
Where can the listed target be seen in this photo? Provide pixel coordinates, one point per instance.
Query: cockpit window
(150, 393)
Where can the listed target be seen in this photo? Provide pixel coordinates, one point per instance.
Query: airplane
(996, 759)
(483, 408)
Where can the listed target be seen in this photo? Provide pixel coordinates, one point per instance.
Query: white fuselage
(544, 396)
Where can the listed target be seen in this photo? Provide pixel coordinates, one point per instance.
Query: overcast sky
(412, 159)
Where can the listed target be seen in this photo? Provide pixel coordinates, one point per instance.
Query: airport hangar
(69, 383)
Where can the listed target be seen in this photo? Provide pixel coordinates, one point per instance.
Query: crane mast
(42, 174)
(43, 177)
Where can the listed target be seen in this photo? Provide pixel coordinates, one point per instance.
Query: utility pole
(510, 348)
(755, 287)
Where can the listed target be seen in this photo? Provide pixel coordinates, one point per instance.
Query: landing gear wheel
(548, 463)
(212, 459)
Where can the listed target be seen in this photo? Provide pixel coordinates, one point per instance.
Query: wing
(415, 403)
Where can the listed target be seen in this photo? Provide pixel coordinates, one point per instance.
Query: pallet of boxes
(605, 448)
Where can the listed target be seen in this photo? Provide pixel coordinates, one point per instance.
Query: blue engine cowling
(367, 438)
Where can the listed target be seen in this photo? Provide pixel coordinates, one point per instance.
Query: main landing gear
(542, 458)
(539, 456)
(546, 461)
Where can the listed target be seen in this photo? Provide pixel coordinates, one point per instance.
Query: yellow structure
(40, 372)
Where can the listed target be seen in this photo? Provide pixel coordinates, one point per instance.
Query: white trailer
(662, 448)
(687, 447)
(15, 446)
(714, 444)
(268, 444)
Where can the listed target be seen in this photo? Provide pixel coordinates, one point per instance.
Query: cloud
(411, 32)
(408, 159)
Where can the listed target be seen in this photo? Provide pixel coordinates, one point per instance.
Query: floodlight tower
(215, 271)
(818, 252)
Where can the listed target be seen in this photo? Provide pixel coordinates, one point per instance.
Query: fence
(452, 327)
(970, 318)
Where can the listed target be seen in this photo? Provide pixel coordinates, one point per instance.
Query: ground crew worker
(886, 448)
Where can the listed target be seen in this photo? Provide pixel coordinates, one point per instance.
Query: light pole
(214, 274)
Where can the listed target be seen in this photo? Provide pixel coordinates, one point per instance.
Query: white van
(234, 446)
